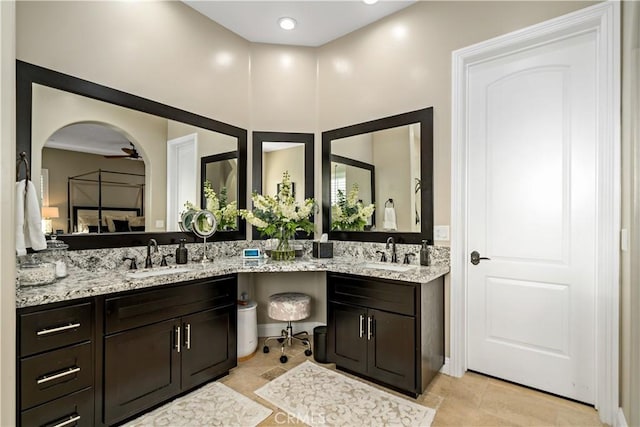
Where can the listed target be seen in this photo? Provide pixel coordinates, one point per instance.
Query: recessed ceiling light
(370, 1)
(287, 23)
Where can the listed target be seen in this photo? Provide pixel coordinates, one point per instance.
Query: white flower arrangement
(273, 215)
(349, 213)
(226, 213)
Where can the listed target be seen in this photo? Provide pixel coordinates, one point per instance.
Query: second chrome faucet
(152, 242)
(394, 255)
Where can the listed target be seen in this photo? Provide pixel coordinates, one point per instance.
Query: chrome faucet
(152, 242)
(394, 256)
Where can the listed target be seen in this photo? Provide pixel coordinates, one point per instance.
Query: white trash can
(247, 330)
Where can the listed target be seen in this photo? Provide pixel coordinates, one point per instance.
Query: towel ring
(388, 203)
(23, 160)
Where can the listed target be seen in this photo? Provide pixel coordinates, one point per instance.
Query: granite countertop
(82, 283)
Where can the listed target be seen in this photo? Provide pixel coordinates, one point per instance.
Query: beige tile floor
(473, 400)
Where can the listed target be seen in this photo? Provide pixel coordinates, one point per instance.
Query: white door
(532, 210)
(182, 177)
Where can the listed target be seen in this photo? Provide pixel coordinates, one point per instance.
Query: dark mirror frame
(28, 74)
(425, 118)
(204, 161)
(362, 165)
(304, 138)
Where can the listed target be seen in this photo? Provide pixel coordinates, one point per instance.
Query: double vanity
(104, 344)
(97, 348)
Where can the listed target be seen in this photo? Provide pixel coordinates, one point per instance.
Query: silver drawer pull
(361, 331)
(47, 378)
(369, 332)
(72, 419)
(187, 330)
(178, 344)
(58, 329)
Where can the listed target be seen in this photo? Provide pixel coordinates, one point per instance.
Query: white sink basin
(390, 267)
(159, 271)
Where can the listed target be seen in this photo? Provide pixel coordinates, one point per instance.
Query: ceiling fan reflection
(131, 153)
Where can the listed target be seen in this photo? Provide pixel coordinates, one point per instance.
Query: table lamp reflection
(49, 212)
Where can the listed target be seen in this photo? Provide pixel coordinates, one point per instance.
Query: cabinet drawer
(53, 374)
(54, 328)
(75, 409)
(151, 306)
(383, 295)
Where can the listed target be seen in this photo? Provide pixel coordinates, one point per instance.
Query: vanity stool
(289, 307)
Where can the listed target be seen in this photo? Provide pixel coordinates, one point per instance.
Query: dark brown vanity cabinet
(56, 365)
(389, 331)
(161, 342)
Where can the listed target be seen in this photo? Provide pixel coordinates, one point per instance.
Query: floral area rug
(318, 396)
(215, 404)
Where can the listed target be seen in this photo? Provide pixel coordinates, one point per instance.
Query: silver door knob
(475, 258)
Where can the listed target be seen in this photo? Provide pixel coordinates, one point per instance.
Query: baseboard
(446, 368)
(273, 329)
(621, 421)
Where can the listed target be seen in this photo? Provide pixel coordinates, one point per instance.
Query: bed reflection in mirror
(95, 177)
(90, 157)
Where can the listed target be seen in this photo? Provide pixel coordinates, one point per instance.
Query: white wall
(7, 218)
(393, 175)
(630, 266)
(274, 163)
(161, 50)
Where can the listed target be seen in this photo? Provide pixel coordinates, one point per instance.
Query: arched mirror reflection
(95, 177)
(153, 153)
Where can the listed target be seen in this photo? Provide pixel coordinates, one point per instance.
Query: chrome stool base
(286, 338)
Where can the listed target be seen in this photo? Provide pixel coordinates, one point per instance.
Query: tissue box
(322, 250)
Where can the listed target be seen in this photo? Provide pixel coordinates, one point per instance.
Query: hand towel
(28, 220)
(389, 221)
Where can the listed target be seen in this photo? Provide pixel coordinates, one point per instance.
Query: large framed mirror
(277, 152)
(395, 176)
(119, 168)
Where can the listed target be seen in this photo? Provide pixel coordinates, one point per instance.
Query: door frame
(173, 146)
(604, 20)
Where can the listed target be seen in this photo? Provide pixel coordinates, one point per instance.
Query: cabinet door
(392, 348)
(346, 336)
(209, 345)
(141, 368)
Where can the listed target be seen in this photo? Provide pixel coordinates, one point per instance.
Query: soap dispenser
(424, 253)
(181, 253)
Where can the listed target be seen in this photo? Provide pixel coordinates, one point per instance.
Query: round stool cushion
(289, 306)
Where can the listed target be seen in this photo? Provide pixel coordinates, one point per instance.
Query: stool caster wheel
(265, 349)
(283, 359)
(307, 352)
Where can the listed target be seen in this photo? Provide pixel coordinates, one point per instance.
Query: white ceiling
(89, 138)
(319, 22)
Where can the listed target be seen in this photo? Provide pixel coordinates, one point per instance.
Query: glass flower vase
(284, 251)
